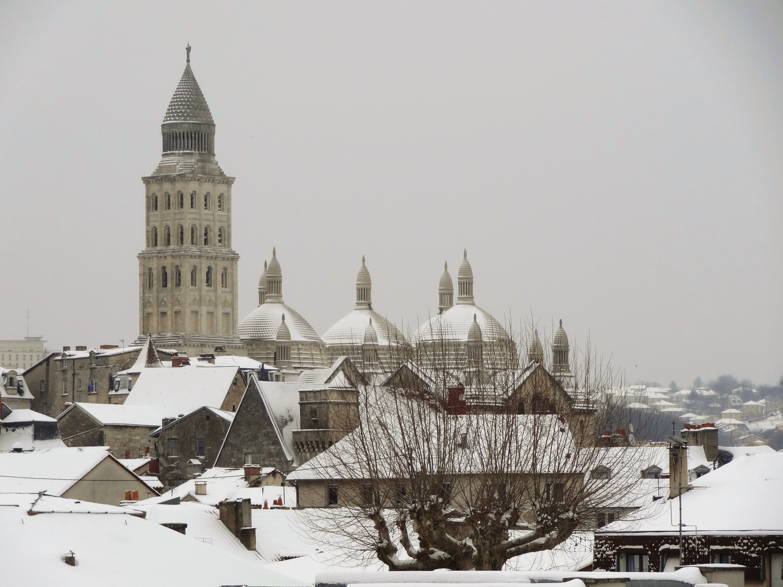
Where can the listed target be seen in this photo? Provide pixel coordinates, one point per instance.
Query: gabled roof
(341, 374)
(227, 416)
(25, 416)
(117, 414)
(53, 471)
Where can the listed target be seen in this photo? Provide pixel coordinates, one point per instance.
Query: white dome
(445, 284)
(263, 322)
(349, 330)
(454, 324)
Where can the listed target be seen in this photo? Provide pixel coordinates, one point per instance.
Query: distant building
(22, 353)
(14, 391)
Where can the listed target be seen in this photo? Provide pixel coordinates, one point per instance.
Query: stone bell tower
(188, 270)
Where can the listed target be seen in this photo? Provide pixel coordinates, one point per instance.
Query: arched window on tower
(154, 237)
(208, 277)
(166, 236)
(164, 277)
(221, 203)
(224, 278)
(192, 199)
(206, 201)
(177, 276)
(167, 201)
(206, 236)
(150, 278)
(221, 236)
(180, 235)
(193, 276)
(180, 200)
(193, 235)
(155, 202)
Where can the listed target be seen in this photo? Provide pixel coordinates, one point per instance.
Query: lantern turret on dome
(363, 287)
(283, 344)
(445, 290)
(560, 350)
(370, 360)
(465, 281)
(274, 279)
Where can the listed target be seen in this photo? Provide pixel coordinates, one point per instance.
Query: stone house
(85, 473)
(186, 446)
(14, 391)
(733, 515)
(124, 429)
(24, 430)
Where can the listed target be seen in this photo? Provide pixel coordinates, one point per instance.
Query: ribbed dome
(273, 269)
(465, 270)
(264, 321)
(370, 335)
(560, 339)
(363, 277)
(474, 332)
(188, 103)
(445, 284)
(454, 324)
(350, 329)
(283, 333)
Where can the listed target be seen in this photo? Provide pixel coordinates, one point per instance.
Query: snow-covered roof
(133, 464)
(20, 384)
(53, 471)
(349, 330)
(227, 416)
(262, 323)
(119, 414)
(73, 354)
(228, 483)
(744, 496)
(24, 416)
(180, 390)
(115, 549)
(454, 324)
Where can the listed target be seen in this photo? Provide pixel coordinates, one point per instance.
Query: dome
(283, 333)
(465, 270)
(350, 329)
(264, 321)
(456, 322)
(474, 332)
(561, 338)
(370, 335)
(446, 284)
(274, 270)
(363, 277)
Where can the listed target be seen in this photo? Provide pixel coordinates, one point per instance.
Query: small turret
(274, 280)
(560, 362)
(445, 290)
(465, 281)
(535, 353)
(262, 286)
(283, 344)
(363, 287)
(474, 345)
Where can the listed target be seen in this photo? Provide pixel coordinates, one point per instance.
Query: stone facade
(78, 428)
(196, 436)
(22, 353)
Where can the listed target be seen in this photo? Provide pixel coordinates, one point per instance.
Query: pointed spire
(274, 279)
(363, 287)
(147, 357)
(474, 332)
(465, 281)
(188, 104)
(283, 333)
(370, 334)
(535, 353)
(445, 290)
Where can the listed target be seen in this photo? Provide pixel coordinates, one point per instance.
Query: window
(166, 236)
(131, 495)
(602, 519)
(722, 557)
(400, 494)
(368, 495)
(150, 278)
(200, 446)
(193, 201)
(155, 202)
(206, 201)
(154, 236)
(314, 421)
(164, 277)
(193, 235)
(180, 200)
(180, 235)
(172, 450)
(208, 278)
(220, 203)
(331, 495)
(193, 276)
(445, 491)
(221, 236)
(632, 562)
(601, 472)
(177, 276)
(167, 201)
(206, 236)
(224, 278)
(554, 492)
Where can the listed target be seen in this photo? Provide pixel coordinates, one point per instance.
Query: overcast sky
(616, 164)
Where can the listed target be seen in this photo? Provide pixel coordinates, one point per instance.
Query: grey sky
(614, 163)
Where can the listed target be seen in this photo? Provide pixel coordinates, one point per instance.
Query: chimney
(207, 358)
(201, 487)
(236, 516)
(108, 347)
(678, 467)
(81, 347)
(180, 361)
(252, 473)
(705, 435)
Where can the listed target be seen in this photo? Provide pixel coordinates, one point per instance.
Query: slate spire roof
(188, 103)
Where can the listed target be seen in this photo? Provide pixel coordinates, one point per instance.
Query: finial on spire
(274, 251)
(474, 318)
(465, 254)
(283, 317)
(362, 259)
(445, 265)
(187, 53)
(561, 322)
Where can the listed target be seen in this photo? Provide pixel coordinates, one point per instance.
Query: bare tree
(472, 461)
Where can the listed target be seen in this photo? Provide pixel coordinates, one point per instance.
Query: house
(731, 515)
(88, 473)
(124, 429)
(188, 445)
(24, 430)
(14, 391)
(76, 543)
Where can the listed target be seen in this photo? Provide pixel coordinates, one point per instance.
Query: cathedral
(188, 280)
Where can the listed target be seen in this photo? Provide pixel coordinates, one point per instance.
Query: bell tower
(188, 270)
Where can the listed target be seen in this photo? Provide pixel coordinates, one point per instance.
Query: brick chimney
(237, 517)
(252, 473)
(705, 435)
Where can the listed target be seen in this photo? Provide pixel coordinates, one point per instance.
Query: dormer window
(652, 472)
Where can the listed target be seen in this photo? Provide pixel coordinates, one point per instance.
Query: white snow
(119, 414)
(52, 470)
(21, 415)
